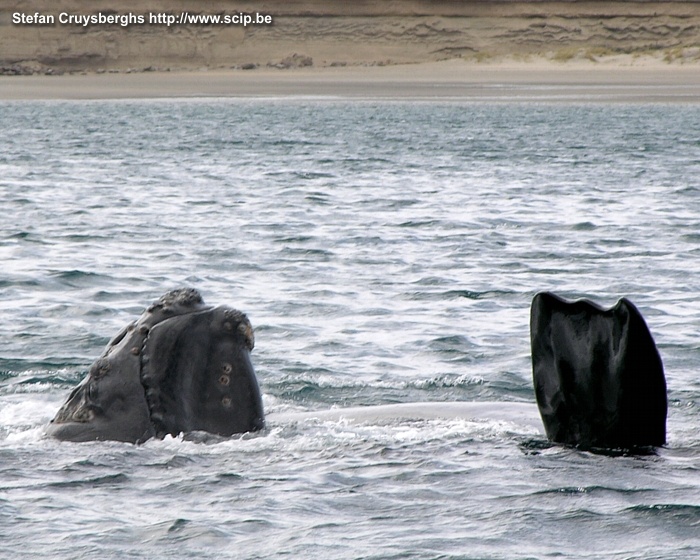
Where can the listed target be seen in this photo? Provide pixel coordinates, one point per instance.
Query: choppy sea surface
(385, 252)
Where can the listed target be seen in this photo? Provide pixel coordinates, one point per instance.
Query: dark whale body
(182, 367)
(185, 367)
(599, 380)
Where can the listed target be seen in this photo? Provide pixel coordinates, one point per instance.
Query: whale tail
(598, 376)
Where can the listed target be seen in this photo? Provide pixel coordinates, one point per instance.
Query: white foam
(518, 414)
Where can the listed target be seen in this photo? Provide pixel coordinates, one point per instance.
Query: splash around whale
(184, 367)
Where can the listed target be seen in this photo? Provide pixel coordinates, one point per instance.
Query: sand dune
(322, 34)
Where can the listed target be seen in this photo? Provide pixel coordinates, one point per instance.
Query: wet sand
(620, 80)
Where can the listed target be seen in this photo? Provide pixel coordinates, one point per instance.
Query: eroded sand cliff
(334, 33)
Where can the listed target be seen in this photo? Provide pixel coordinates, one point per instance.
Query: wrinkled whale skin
(182, 367)
(598, 376)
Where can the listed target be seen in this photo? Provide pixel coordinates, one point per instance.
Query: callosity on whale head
(182, 367)
(599, 380)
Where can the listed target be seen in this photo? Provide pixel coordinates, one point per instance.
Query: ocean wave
(387, 253)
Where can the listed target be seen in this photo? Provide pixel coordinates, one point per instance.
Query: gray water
(385, 252)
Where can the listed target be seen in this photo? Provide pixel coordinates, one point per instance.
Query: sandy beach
(455, 79)
(494, 50)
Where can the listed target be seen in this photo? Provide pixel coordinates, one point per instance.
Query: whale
(184, 367)
(181, 367)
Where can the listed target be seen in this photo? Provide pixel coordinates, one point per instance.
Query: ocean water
(385, 252)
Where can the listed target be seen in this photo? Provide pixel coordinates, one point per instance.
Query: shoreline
(620, 80)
